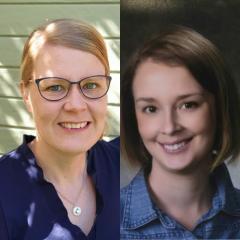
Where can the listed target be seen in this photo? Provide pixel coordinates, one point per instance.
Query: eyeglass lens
(57, 88)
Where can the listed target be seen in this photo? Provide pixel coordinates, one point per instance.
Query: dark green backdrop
(219, 20)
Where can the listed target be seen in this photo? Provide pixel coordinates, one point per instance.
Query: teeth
(174, 147)
(74, 125)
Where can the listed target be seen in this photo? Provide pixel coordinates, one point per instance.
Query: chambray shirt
(32, 209)
(141, 219)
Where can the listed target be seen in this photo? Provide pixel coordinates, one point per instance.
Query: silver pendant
(77, 211)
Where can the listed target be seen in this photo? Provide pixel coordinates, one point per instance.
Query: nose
(75, 101)
(169, 123)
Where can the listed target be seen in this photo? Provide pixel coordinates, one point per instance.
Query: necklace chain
(76, 210)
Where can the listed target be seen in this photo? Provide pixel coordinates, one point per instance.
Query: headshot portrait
(179, 125)
(60, 174)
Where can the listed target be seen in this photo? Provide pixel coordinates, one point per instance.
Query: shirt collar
(226, 197)
(29, 161)
(35, 171)
(139, 209)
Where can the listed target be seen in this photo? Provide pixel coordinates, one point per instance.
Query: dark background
(218, 20)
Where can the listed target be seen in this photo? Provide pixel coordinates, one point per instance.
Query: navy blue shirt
(142, 219)
(32, 209)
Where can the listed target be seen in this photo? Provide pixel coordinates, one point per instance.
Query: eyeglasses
(56, 88)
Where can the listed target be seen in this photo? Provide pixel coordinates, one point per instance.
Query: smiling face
(73, 124)
(175, 116)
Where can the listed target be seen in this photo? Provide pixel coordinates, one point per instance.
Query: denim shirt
(142, 219)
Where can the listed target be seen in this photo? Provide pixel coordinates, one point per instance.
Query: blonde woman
(63, 183)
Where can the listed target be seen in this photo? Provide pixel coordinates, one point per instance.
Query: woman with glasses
(181, 123)
(63, 183)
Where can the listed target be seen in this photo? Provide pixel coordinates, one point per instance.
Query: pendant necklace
(76, 210)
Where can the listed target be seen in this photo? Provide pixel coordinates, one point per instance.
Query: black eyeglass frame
(37, 81)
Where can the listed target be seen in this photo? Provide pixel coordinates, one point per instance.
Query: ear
(26, 95)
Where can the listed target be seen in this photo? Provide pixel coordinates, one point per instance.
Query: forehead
(159, 79)
(65, 61)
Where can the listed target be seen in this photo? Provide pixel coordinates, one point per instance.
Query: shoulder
(123, 192)
(138, 181)
(115, 142)
(111, 147)
(10, 162)
(104, 152)
(3, 226)
(104, 158)
(126, 194)
(225, 190)
(16, 170)
(123, 196)
(16, 187)
(236, 193)
(135, 195)
(14, 173)
(18, 156)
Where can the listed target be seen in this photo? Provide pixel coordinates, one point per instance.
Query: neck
(186, 197)
(59, 167)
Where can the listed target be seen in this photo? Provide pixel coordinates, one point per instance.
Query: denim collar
(140, 210)
(226, 197)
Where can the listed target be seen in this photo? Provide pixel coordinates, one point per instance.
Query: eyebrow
(145, 99)
(150, 99)
(202, 94)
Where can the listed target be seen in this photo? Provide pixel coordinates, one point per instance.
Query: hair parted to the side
(63, 32)
(183, 46)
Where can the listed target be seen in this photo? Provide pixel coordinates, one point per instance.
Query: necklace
(76, 210)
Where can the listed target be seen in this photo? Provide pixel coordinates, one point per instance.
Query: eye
(150, 109)
(55, 88)
(189, 105)
(90, 85)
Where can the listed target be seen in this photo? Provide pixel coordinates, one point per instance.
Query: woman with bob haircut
(180, 121)
(63, 183)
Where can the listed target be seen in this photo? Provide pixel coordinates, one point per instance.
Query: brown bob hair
(183, 46)
(64, 32)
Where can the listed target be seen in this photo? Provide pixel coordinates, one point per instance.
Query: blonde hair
(64, 32)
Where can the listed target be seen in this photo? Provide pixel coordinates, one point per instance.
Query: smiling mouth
(176, 147)
(70, 125)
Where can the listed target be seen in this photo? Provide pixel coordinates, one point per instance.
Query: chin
(73, 150)
(186, 166)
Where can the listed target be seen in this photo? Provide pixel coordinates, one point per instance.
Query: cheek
(42, 112)
(146, 127)
(98, 110)
(202, 123)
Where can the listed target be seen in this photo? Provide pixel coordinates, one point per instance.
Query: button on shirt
(32, 209)
(142, 219)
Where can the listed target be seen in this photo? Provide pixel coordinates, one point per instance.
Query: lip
(74, 126)
(177, 146)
